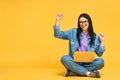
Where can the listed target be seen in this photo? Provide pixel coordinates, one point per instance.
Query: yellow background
(28, 49)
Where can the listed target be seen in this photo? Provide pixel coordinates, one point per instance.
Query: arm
(100, 48)
(58, 18)
(57, 32)
(102, 40)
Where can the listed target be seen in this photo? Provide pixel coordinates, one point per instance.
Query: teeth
(83, 27)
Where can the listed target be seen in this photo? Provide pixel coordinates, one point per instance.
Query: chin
(84, 29)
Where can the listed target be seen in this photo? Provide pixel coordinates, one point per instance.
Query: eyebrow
(84, 21)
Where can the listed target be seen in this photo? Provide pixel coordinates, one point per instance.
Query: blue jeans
(81, 68)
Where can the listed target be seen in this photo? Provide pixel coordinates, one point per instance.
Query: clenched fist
(59, 17)
(101, 37)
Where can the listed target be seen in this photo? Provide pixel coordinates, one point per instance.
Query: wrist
(102, 44)
(57, 19)
(57, 22)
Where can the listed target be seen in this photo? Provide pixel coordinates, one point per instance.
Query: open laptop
(85, 57)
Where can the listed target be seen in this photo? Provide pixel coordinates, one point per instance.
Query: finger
(101, 35)
(60, 15)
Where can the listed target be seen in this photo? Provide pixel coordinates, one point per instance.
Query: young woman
(82, 38)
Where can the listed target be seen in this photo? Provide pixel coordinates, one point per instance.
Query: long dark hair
(90, 29)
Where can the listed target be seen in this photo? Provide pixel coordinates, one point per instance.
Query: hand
(102, 37)
(59, 17)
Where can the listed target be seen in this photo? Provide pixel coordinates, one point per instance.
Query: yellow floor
(33, 73)
(37, 72)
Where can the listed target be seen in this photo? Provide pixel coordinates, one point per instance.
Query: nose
(83, 24)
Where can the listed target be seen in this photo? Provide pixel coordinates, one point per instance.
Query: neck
(85, 32)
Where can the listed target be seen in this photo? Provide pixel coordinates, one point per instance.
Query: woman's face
(84, 24)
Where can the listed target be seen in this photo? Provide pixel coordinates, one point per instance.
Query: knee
(100, 62)
(65, 58)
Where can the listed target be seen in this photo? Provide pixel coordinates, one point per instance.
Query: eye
(85, 21)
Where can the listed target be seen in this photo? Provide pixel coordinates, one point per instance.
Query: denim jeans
(81, 68)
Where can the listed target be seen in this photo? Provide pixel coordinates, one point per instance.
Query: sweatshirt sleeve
(99, 49)
(62, 34)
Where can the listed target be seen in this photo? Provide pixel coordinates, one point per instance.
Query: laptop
(84, 57)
